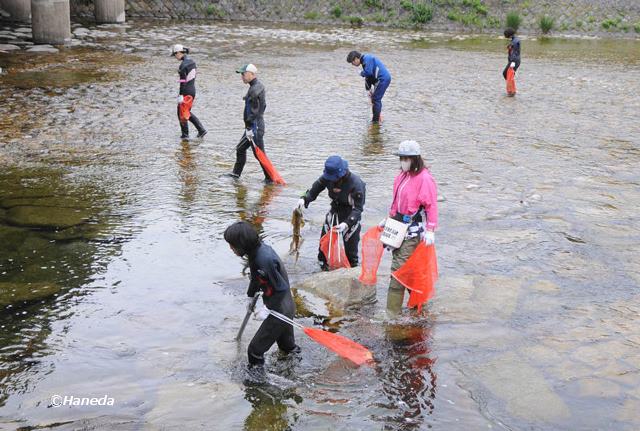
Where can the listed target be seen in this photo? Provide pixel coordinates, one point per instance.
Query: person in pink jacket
(415, 202)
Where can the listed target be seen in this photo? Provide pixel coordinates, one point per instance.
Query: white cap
(177, 48)
(248, 68)
(408, 148)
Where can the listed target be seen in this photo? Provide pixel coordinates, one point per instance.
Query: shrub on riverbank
(513, 20)
(546, 24)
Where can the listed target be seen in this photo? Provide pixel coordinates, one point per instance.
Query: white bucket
(394, 233)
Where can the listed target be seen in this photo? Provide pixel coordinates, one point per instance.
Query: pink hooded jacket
(411, 192)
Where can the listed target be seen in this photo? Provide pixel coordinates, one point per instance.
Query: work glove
(249, 134)
(342, 227)
(261, 313)
(180, 99)
(428, 237)
(513, 64)
(382, 223)
(300, 204)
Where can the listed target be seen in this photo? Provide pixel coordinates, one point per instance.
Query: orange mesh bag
(372, 250)
(344, 347)
(332, 246)
(185, 108)
(511, 81)
(419, 274)
(268, 166)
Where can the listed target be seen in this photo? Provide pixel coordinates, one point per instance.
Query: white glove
(300, 204)
(261, 313)
(342, 227)
(428, 237)
(513, 64)
(249, 133)
(180, 99)
(382, 222)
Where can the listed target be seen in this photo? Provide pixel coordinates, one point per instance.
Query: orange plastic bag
(332, 246)
(372, 250)
(419, 274)
(342, 346)
(268, 166)
(511, 82)
(185, 108)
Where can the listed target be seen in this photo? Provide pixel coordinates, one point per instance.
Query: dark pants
(376, 99)
(184, 127)
(274, 330)
(241, 152)
(351, 236)
(504, 72)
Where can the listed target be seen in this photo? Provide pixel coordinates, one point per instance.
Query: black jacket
(255, 103)
(351, 195)
(187, 71)
(269, 276)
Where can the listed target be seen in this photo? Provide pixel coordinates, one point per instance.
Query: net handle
(285, 319)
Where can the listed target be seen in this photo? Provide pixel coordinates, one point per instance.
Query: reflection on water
(534, 324)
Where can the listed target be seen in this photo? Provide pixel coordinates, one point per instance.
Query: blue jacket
(514, 49)
(373, 70)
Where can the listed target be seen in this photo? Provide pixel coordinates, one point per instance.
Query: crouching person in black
(268, 276)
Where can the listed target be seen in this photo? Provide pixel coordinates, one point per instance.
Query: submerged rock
(340, 287)
(14, 293)
(46, 217)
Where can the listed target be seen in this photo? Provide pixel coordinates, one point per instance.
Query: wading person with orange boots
(187, 72)
(414, 205)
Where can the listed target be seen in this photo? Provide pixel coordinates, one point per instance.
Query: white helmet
(408, 148)
(177, 48)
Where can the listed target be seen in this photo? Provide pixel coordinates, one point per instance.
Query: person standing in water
(187, 95)
(268, 276)
(255, 104)
(347, 193)
(415, 204)
(376, 79)
(513, 59)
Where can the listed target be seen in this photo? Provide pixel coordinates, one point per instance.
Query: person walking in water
(415, 204)
(347, 193)
(376, 79)
(254, 106)
(269, 277)
(513, 59)
(187, 72)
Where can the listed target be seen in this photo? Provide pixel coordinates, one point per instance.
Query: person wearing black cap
(376, 79)
(254, 106)
(347, 193)
(187, 72)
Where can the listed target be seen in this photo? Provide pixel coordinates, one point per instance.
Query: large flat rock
(340, 287)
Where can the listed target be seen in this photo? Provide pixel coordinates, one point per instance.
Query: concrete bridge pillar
(50, 21)
(109, 11)
(20, 10)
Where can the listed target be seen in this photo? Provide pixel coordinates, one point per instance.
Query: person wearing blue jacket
(377, 79)
(513, 49)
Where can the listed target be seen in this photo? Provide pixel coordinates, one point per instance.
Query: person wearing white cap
(254, 106)
(415, 204)
(187, 95)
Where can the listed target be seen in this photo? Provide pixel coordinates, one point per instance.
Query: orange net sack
(344, 347)
(419, 274)
(332, 246)
(511, 81)
(185, 108)
(372, 250)
(268, 166)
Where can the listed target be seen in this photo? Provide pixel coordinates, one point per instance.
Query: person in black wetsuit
(347, 193)
(254, 106)
(187, 72)
(514, 51)
(269, 276)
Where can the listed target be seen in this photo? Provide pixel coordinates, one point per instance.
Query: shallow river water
(136, 296)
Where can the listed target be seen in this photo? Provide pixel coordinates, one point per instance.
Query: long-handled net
(342, 346)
